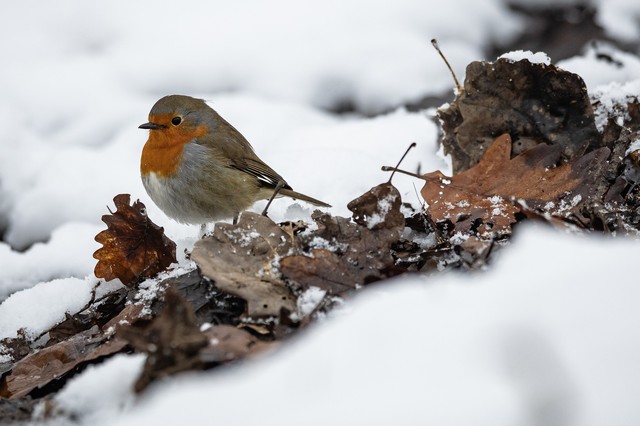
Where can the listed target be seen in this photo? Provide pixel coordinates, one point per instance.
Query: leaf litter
(524, 144)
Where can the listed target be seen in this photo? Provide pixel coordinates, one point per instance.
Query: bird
(197, 168)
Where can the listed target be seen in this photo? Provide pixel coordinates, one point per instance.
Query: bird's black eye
(176, 120)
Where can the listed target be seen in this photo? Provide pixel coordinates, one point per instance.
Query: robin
(198, 168)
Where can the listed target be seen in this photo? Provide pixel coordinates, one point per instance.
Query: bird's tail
(298, 196)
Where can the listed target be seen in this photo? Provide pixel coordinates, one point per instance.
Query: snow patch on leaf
(520, 55)
(384, 207)
(612, 100)
(308, 301)
(39, 308)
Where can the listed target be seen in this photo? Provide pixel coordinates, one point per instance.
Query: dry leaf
(238, 258)
(210, 304)
(133, 247)
(97, 313)
(360, 255)
(172, 340)
(535, 103)
(486, 198)
(323, 269)
(227, 343)
(378, 208)
(54, 362)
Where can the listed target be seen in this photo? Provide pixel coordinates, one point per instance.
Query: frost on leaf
(362, 250)
(133, 247)
(378, 208)
(238, 258)
(362, 255)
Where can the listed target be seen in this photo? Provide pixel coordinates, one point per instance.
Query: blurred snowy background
(326, 93)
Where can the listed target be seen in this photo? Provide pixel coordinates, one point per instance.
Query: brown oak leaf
(487, 197)
(133, 247)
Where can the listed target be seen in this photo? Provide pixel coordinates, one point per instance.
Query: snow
(520, 55)
(116, 377)
(384, 207)
(309, 300)
(602, 65)
(634, 146)
(620, 18)
(546, 336)
(42, 306)
(613, 99)
(68, 253)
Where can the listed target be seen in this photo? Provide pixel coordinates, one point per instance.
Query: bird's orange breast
(162, 153)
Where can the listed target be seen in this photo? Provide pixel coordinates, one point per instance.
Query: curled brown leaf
(133, 247)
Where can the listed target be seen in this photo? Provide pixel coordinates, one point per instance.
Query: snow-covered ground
(548, 336)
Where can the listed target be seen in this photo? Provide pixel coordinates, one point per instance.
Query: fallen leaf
(209, 303)
(55, 362)
(378, 208)
(535, 103)
(323, 269)
(227, 343)
(171, 340)
(485, 199)
(359, 255)
(238, 258)
(14, 348)
(98, 313)
(133, 247)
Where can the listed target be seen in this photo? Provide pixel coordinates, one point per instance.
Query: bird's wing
(240, 155)
(256, 167)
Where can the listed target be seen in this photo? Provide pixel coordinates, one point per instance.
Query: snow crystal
(496, 202)
(566, 205)
(425, 241)
(241, 236)
(149, 290)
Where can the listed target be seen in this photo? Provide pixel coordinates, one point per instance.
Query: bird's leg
(275, 192)
(203, 231)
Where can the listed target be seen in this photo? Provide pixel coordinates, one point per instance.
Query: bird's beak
(151, 126)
